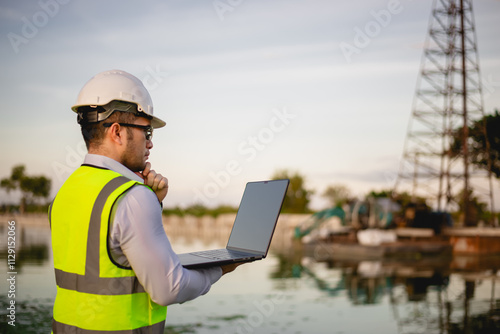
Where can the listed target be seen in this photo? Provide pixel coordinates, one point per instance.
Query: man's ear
(114, 133)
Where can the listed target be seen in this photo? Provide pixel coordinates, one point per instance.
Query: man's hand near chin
(155, 181)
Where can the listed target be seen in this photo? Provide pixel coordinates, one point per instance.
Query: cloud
(225, 76)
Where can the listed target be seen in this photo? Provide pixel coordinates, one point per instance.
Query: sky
(247, 88)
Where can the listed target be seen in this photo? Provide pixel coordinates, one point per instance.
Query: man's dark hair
(93, 132)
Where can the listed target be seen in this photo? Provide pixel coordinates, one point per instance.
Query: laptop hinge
(244, 250)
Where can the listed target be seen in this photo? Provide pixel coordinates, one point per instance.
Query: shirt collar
(108, 163)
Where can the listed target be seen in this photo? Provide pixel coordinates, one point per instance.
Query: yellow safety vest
(94, 294)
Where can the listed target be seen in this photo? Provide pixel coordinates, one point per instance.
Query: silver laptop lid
(257, 216)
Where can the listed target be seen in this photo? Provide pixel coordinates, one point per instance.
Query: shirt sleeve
(138, 240)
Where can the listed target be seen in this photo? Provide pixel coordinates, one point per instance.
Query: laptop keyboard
(216, 254)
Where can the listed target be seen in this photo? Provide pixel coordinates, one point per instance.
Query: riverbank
(216, 230)
(212, 230)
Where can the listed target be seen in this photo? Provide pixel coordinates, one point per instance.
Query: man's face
(137, 148)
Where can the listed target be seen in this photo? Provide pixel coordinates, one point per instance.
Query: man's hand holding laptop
(227, 268)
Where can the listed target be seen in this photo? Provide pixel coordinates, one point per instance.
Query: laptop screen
(257, 215)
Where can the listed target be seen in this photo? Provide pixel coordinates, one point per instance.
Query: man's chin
(134, 165)
(137, 168)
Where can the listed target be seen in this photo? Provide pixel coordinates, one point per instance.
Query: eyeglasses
(148, 129)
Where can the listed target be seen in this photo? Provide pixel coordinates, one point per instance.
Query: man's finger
(156, 181)
(162, 182)
(147, 169)
(150, 178)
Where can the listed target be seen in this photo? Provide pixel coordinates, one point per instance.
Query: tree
(31, 187)
(386, 193)
(478, 144)
(337, 195)
(476, 211)
(297, 198)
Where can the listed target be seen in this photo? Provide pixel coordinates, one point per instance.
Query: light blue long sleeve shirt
(138, 240)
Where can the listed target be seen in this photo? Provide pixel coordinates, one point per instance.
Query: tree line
(35, 190)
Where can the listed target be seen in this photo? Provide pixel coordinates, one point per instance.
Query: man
(115, 269)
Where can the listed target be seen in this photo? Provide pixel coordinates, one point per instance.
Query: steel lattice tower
(448, 99)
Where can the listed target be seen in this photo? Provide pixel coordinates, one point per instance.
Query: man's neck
(102, 150)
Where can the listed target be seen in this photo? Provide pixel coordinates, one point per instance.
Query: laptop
(252, 230)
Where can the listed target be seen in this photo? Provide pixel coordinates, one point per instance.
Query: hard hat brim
(157, 123)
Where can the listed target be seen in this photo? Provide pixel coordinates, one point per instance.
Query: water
(290, 292)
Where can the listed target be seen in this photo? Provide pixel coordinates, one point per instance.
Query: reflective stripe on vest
(57, 327)
(95, 296)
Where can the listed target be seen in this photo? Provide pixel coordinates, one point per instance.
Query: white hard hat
(117, 85)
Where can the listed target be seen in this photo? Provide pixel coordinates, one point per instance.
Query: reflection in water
(31, 244)
(451, 295)
(32, 271)
(422, 297)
